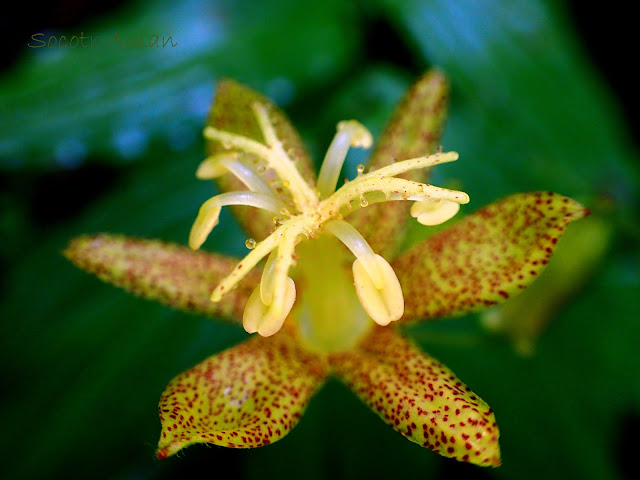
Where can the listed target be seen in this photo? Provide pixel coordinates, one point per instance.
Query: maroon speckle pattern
(485, 258)
(248, 396)
(420, 398)
(169, 274)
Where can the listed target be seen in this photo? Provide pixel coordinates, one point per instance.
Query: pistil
(376, 284)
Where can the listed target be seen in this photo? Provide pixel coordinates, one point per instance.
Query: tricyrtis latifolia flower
(333, 279)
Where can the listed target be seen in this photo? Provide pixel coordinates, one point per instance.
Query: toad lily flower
(333, 281)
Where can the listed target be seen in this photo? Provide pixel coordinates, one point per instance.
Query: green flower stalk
(333, 285)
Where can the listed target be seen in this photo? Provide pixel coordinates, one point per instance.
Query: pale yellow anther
(386, 304)
(267, 319)
(434, 212)
(359, 135)
(207, 218)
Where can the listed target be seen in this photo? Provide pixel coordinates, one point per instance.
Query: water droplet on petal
(360, 169)
(277, 221)
(250, 243)
(284, 212)
(261, 169)
(363, 201)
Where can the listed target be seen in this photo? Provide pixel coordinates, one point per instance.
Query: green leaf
(115, 100)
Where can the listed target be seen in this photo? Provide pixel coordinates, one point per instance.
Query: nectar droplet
(250, 243)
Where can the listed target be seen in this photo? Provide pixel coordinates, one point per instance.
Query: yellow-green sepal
(248, 396)
(420, 398)
(485, 258)
(163, 272)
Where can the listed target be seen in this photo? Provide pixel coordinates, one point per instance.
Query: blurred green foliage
(108, 139)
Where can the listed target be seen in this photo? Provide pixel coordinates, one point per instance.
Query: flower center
(316, 211)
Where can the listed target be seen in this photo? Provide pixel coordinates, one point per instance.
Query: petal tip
(161, 454)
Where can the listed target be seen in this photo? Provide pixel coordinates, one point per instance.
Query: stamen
(349, 134)
(347, 234)
(209, 212)
(376, 283)
(266, 319)
(273, 299)
(434, 212)
(281, 268)
(267, 280)
(386, 304)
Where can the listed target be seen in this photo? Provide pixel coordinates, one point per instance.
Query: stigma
(310, 211)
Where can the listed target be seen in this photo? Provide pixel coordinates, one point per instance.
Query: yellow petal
(245, 397)
(166, 273)
(485, 258)
(420, 398)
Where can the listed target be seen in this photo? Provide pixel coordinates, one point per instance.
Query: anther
(434, 212)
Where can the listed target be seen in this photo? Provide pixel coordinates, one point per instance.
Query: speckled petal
(245, 397)
(413, 131)
(169, 274)
(420, 398)
(485, 258)
(232, 112)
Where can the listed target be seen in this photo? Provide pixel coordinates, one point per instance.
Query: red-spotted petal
(170, 274)
(232, 111)
(420, 398)
(245, 397)
(413, 131)
(485, 258)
